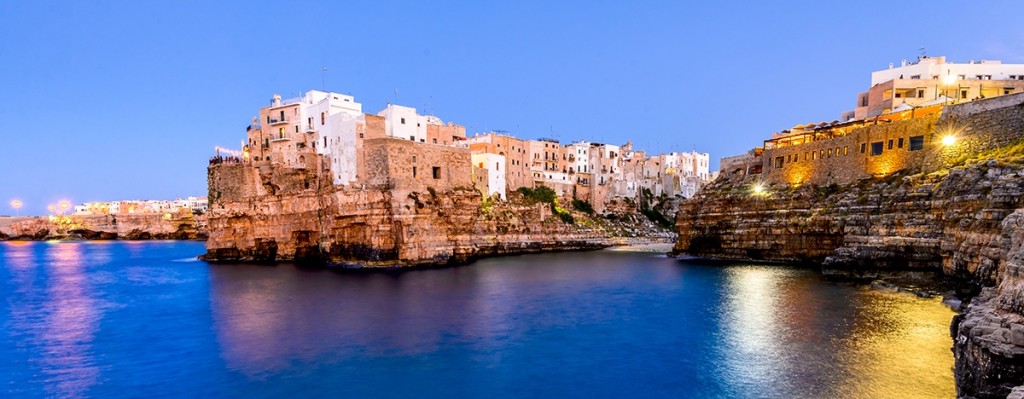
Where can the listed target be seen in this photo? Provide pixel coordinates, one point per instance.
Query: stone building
(516, 152)
(932, 80)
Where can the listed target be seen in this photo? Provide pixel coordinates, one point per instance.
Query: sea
(125, 319)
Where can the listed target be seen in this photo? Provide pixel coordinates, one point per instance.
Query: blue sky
(121, 100)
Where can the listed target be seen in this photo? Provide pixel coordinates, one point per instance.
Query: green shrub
(538, 194)
(583, 206)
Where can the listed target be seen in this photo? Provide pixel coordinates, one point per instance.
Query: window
(435, 141)
(890, 144)
(821, 154)
(496, 166)
(899, 144)
(778, 162)
(282, 116)
(413, 171)
(876, 148)
(413, 138)
(916, 143)
(920, 93)
(864, 101)
(1007, 90)
(963, 93)
(863, 147)
(296, 128)
(403, 121)
(830, 153)
(915, 76)
(322, 118)
(413, 159)
(846, 150)
(437, 172)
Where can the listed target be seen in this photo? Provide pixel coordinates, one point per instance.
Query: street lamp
(947, 81)
(52, 208)
(64, 205)
(948, 140)
(16, 204)
(758, 189)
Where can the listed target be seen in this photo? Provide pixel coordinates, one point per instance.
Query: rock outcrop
(273, 213)
(174, 226)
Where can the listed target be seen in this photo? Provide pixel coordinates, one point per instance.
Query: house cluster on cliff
(141, 207)
(893, 127)
(397, 147)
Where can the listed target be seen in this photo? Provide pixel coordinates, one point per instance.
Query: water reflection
(61, 322)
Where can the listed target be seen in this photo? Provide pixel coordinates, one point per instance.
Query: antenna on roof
(924, 54)
(396, 96)
(323, 79)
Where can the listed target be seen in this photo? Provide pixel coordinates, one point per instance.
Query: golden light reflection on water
(71, 321)
(895, 347)
(781, 328)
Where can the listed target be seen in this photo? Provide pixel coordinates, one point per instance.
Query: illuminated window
(846, 150)
(876, 148)
(830, 153)
(916, 143)
(963, 93)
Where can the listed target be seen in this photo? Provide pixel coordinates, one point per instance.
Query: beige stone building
(933, 80)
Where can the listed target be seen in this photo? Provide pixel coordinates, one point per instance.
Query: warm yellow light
(16, 204)
(949, 140)
(51, 208)
(758, 189)
(949, 80)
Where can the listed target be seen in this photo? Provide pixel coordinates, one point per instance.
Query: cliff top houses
(193, 204)
(397, 146)
(892, 126)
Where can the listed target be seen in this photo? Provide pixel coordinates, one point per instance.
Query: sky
(126, 100)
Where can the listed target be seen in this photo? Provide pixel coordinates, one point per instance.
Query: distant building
(130, 207)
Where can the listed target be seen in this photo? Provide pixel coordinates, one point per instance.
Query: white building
(404, 123)
(495, 166)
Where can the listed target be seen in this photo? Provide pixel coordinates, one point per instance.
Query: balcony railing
(277, 122)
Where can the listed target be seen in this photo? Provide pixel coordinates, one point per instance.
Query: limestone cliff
(174, 226)
(266, 213)
(959, 216)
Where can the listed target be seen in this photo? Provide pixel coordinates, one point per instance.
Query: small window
(1007, 90)
(963, 93)
(778, 162)
(916, 143)
(821, 154)
(412, 138)
(830, 153)
(915, 76)
(437, 172)
(920, 93)
(890, 144)
(846, 150)
(899, 143)
(863, 147)
(876, 148)
(403, 121)
(413, 171)
(322, 119)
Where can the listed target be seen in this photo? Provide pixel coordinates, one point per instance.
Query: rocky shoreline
(172, 226)
(958, 218)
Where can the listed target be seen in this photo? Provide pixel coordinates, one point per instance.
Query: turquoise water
(145, 319)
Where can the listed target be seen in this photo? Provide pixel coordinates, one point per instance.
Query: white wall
(495, 166)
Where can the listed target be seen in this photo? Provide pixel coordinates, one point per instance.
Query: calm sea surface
(145, 319)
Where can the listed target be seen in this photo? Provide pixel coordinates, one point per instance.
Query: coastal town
(297, 133)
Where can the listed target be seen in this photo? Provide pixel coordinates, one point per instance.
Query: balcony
(277, 122)
(310, 129)
(280, 139)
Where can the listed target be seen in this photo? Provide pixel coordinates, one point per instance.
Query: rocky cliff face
(177, 226)
(269, 214)
(964, 223)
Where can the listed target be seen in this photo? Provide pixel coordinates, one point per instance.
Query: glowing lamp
(758, 189)
(948, 80)
(949, 140)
